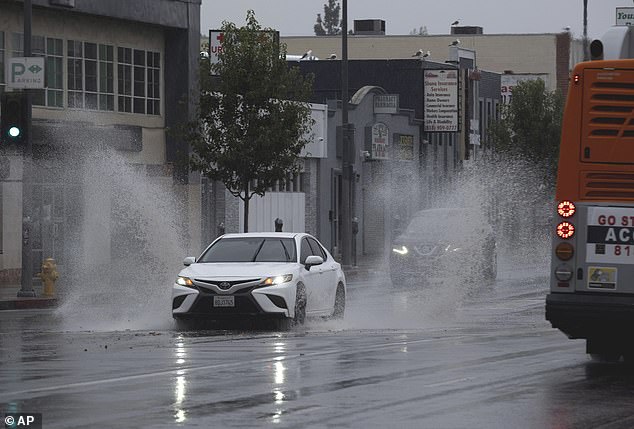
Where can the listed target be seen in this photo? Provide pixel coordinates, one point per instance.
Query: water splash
(513, 196)
(131, 244)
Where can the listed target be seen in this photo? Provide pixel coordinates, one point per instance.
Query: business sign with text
(625, 16)
(441, 100)
(25, 72)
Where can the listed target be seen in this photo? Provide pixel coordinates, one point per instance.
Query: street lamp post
(26, 283)
(347, 158)
(586, 56)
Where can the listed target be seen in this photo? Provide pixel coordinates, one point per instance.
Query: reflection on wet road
(459, 357)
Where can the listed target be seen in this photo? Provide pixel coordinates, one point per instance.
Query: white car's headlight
(402, 250)
(184, 281)
(277, 280)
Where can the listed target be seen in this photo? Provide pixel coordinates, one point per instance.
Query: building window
(153, 83)
(54, 72)
(139, 81)
(139, 89)
(90, 76)
(2, 81)
(75, 76)
(106, 77)
(90, 69)
(124, 79)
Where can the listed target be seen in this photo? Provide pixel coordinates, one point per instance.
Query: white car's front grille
(225, 285)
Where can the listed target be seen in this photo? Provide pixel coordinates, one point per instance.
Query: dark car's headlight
(184, 281)
(400, 250)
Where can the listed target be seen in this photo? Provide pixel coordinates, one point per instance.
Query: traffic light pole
(26, 285)
(347, 156)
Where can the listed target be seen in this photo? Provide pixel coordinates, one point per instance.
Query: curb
(28, 303)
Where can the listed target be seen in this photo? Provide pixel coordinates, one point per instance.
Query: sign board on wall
(386, 103)
(317, 147)
(216, 37)
(510, 81)
(441, 100)
(404, 147)
(380, 141)
(25, 72)
(625, 16)
(215, 45)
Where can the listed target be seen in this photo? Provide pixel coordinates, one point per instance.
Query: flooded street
(402, 358)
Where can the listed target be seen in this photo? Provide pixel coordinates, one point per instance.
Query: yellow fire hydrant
(49, 276)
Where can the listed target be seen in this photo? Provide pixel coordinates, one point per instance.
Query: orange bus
(592, 270)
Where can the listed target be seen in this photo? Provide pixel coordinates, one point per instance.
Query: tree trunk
(246, 207)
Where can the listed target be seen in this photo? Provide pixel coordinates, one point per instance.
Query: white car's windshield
(251, 249)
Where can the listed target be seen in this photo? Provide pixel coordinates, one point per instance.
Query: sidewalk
(9, 299)
(367, 268)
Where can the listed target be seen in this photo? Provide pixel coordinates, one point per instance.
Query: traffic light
(14, 117)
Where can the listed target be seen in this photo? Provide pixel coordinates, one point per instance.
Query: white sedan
(284, 275)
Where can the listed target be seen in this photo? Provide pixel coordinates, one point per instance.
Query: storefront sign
(510, 81)
(404, 147)
(386, 103)
(625, 16)
(380, 141)
(441, 100)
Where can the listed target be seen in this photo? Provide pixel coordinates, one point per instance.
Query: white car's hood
(237, 270)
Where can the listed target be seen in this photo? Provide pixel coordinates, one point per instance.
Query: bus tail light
(566, 209)
(576, 79)
(565, 230)
(564, 251)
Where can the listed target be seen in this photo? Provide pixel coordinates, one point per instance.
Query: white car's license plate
(224, 301)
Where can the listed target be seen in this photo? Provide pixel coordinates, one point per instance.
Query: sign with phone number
(610, 235)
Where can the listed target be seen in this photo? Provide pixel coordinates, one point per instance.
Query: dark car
(444, 242)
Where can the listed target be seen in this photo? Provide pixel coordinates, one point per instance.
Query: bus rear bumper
(589, 315)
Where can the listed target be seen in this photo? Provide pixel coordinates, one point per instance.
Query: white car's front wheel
(300, 305)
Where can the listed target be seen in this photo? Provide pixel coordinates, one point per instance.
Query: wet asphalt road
(460, 357)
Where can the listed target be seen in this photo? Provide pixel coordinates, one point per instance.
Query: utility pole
(26, 284)
(586, 56)
(346, 197)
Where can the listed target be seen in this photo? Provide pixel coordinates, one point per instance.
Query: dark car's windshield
(446, 225)
(251, 249)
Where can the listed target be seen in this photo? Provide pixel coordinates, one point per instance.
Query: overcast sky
(297, 17)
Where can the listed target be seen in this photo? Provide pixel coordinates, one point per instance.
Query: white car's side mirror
(313, 260)
(189, 260)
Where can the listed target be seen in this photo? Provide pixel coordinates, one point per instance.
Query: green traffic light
(14, 132)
